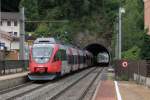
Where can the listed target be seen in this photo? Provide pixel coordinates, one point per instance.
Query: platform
(8, 81)
(105, 91)
(11, 76)
(109, 89)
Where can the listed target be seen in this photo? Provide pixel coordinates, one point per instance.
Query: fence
(135, 70)
(13, 66)
(139, 67)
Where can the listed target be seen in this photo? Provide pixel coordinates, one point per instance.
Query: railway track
(43, 91)
(78, 90)
(20, 91)
(15, 87)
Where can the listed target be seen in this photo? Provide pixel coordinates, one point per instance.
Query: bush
(132, 54)
(123, 77)
(145, 47)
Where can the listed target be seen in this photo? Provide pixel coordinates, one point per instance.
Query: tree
(94, 16)
(132, 54)
(31, 13)
(145, 47)
(133, 24)
(42, 30)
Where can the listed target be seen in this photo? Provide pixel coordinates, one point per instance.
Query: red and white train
(50, 58)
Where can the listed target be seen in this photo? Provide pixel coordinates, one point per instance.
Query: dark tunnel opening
(101, 54)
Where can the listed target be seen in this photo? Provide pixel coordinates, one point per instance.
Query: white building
(10, 42)
(5, 39)
(10, 24)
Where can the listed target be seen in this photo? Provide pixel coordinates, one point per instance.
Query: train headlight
(43, 60)
(46, 60)
(36, 59)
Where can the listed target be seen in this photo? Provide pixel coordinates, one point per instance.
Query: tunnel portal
(98, 49)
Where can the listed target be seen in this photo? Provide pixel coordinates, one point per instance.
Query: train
(50, 58)
(103, 58)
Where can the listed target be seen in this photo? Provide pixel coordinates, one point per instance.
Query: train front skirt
(41, 76)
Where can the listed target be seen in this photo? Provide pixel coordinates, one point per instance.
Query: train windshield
(42, 51)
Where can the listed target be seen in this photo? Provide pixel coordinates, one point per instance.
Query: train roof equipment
(46, 40)
(52, 40)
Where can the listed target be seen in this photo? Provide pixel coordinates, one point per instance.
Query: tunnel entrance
(101, 54)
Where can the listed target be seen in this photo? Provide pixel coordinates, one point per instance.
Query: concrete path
(133, 91)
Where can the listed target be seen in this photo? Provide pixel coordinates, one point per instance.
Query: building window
(8, 23)
(15, 33)
(15, 23)
(10, 33)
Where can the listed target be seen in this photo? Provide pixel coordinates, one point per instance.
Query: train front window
(42, 54)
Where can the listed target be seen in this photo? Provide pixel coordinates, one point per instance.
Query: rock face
(84, 39)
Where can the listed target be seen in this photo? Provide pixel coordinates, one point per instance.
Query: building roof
(10, 15)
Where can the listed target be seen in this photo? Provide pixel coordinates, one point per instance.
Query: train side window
(76, 59)
(63, 54)
(69, 59)
(73, 59)
(57, 56)
(81, 60)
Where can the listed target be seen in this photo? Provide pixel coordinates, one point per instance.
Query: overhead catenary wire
(46, 21)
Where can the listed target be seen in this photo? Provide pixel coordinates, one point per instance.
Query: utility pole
(0, 10)
(22, 34)
(0, 24)
(121, 11)
(116, 42)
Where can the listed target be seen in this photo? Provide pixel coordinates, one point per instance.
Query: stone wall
(83, 39)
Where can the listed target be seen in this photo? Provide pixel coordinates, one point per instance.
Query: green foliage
(31, 12)
(42, 30)
(123, 77)
(133, 23)
(132, 29)
(94, 16)
(132, 54)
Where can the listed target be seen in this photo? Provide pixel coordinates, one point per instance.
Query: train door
(81, 59)
(64, 67)
(76, 59)
(69, 59)
(73, 59)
